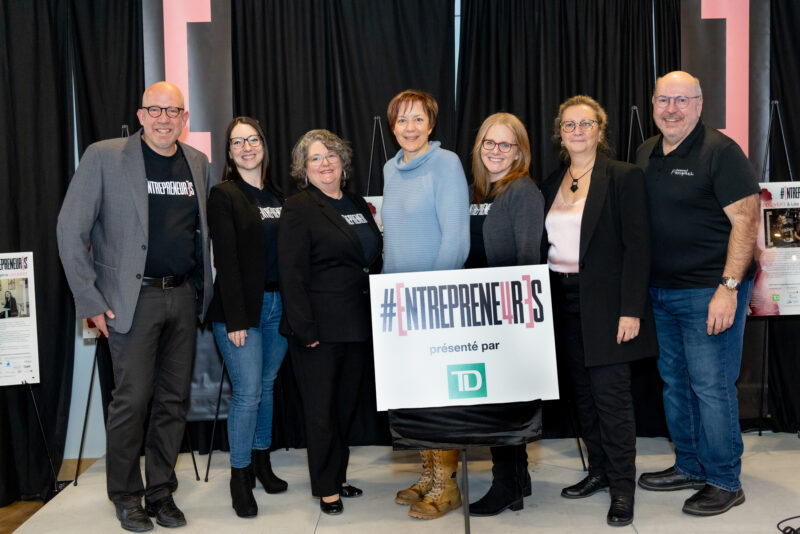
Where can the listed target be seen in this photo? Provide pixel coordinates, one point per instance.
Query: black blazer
(324, 277)
(614, 261)
(239, 256)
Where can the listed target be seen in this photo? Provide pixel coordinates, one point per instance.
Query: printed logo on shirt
(175, 189)
(681, 172)
(479, 209)
(354, 219)
(270, 213)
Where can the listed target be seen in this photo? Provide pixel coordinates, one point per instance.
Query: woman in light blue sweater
(425, 216)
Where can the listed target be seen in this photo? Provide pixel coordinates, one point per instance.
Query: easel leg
(465, 489)
(86, 418)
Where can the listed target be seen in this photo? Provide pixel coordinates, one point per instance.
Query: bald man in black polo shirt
(704, 210)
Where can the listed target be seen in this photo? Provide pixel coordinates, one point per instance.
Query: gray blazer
(512, 231)
(106, 206)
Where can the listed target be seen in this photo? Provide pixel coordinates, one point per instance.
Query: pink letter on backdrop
(737, 64)
(177, 13)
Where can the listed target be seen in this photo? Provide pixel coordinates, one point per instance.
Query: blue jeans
(252, 369)
(699, 373)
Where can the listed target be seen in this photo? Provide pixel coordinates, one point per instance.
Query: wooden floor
(16, 513)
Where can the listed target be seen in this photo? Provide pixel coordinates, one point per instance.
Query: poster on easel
(19, 347)
(777, 283)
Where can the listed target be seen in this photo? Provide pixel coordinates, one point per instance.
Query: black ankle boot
(498, 498)
(264, 474)
(242, 493)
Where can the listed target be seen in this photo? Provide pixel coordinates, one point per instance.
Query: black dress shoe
(588, 486)
(166, 513)
(712, 500)
(497, 499)
(668, 480)
(620, 513)
(350, 491)
(331, 508)
(132, 517)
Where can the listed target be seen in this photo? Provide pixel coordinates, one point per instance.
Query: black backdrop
(527, 57)
(306, 64)
(784, 332)
(335, 64)
(35, 164)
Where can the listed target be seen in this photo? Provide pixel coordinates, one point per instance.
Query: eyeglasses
(584, 125)
(489, 144)
(332, 158)
(238, 142)
(662, 101)
(156, 111)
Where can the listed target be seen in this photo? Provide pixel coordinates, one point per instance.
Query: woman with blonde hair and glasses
(506, 220)
(597, 243)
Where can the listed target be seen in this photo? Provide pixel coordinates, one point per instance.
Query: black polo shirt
(687, 191)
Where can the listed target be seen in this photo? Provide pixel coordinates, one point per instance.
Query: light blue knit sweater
(425, 212)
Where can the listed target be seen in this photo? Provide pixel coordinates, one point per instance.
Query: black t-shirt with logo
(173, 213)
(687, 191)
(268, 209)
(477, 249)
(358, 223)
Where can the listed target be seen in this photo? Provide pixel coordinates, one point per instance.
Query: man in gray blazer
(133, 240)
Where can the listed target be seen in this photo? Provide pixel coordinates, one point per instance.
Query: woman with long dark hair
(243, 213)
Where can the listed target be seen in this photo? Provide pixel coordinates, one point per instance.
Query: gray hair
(330, 140)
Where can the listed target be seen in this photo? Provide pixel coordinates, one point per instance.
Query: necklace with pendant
(574, 186)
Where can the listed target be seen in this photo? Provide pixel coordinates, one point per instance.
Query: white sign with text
(463, 337)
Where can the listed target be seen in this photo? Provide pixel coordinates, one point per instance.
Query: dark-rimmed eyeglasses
(682, 102)
(489, 144)
(585, 125)
(252, 140)
(156, 111)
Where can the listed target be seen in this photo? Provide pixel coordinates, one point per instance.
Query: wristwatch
(730, 283)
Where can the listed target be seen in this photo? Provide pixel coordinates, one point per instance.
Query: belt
(167, 282)
(270, 287)
(565, 275)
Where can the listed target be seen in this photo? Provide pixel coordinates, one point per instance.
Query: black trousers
(329, 377)
(602, 396)
(152, 361)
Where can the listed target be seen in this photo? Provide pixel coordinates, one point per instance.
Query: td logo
(466, 380)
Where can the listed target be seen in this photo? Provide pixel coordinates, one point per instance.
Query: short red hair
(409, 96)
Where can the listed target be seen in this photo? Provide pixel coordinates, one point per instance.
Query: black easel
(634, 114)
(86, 417)
(216, 417)
(774, 111)
(56, 486)
(376, 126)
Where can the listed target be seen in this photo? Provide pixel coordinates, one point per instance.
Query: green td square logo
(466, 380)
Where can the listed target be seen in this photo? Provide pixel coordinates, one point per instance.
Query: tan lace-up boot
(444, 494)
(418, 489)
